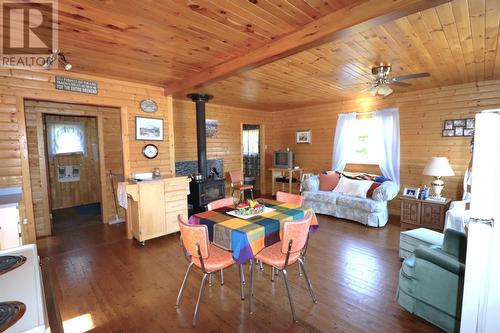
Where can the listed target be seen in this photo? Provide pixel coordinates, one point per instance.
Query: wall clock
(148, 105)
(150, 151)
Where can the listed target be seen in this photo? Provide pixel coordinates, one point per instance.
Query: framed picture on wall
(149, 129)
(304, 136)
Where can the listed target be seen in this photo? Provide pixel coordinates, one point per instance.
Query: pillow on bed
(352, 187)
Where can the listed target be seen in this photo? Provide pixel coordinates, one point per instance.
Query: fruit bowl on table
(249, 207)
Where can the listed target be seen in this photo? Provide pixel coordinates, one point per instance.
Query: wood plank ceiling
(457, 42)
(159, 42)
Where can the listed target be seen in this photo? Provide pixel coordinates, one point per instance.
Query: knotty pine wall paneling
(227, 144)
(18, 85)
(421, 120)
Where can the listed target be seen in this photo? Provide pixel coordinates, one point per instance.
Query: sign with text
(75, 85)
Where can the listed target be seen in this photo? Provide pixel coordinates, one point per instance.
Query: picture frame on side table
(304, 136)
(148, 129)
(411, 192)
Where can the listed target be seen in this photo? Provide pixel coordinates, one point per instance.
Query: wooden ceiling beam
(359, 16)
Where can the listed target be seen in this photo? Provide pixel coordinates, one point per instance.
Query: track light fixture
(55, 56)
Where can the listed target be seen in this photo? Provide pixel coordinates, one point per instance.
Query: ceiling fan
(381, 80)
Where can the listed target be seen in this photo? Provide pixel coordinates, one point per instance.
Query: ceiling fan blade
(400, 84)
(410, 76)
(366, 89)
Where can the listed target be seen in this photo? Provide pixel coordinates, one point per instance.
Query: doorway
(71, 154)
(253, 156)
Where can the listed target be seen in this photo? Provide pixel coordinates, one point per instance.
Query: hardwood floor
(99, 274)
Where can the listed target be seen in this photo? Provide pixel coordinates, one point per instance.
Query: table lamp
(438, 167)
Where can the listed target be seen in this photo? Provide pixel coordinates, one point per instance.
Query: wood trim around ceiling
(356, 17)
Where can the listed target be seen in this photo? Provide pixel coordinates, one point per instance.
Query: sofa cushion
(321, 196)
(372, 188)
(355, 188)
(328, 182)
(311, 183)
(386, 191)
(367, 205)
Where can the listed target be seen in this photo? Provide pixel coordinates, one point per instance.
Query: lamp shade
(438, 167)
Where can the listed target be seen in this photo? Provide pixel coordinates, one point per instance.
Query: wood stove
(211, 186)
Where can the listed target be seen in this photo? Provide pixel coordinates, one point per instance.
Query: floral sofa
(372, 211)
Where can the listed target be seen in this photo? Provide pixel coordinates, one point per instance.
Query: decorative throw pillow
(352, 187)
(372, 188)
(328, 182)
(381, 179)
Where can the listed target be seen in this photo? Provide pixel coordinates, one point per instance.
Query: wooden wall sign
(74, 85)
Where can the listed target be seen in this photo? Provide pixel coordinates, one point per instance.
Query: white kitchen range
(22, 301)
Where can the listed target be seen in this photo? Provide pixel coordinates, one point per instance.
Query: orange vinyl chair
(221, 203)
(209, 258)
(294, 199)
(286, 253)
(236, 180)
(298, 200)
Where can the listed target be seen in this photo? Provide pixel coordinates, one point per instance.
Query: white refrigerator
(481, 301)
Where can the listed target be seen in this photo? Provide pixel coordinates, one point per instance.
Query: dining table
(247, 237)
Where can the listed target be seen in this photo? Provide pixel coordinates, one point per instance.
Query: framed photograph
(470, 123)
(149, 129)
(459, 131)
(304, 136)
(411, 192)
(468, 132)
(459, 123)
(212, 127)
(448, 124)
(449, 132)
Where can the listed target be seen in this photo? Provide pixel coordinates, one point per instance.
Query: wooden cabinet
(153, 207)
(423, 213)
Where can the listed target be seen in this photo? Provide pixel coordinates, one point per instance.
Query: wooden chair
(294, 199)
(209, 258)
(236, 180)
(221, 203)
(285, 253)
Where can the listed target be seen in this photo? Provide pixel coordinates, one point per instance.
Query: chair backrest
(296, 231)
(221, 203)
(192, 234)
(236, 176)
(290, 198)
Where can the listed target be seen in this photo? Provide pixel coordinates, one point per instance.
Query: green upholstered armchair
(431, 281)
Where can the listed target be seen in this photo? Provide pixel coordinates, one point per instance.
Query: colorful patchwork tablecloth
(245, 238)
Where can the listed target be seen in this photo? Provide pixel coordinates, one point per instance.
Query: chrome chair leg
(285, 277)
(309, 285)
(261, 266)
(210, 280)
(200, 297)
(251, 193)
(221, 277)
(300, 270)
(273, 270)
(252, 269)
(183, 285)
(242, 281)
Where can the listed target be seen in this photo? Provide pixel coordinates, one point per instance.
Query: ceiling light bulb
(68, 67)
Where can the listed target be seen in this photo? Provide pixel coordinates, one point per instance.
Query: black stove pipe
(201, 131)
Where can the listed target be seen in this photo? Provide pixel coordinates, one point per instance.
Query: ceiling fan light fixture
(384, 90)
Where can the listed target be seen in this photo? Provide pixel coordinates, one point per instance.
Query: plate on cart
(246, 217)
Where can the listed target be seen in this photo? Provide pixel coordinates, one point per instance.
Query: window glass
(66, 138)
(364, 149)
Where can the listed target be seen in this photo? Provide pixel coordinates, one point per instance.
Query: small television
(283, 159)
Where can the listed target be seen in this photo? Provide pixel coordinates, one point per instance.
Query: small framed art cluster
(459, 127)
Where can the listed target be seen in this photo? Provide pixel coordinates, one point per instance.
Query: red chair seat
(243, 187)
(217, 260)
(273, 256)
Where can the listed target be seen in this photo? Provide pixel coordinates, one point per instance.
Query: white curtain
(344, 137)
(65, 137)
(387, 121)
